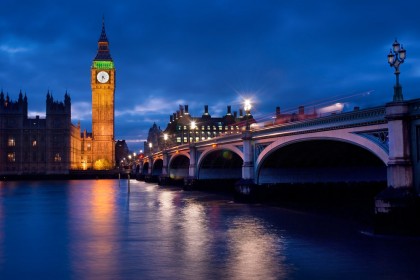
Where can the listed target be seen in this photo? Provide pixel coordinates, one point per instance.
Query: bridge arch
(157, 167)
(231, 148)
(220, 163)
(178, 166)
(350, 146)
(145, 169)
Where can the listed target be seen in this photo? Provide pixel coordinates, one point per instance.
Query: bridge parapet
(344, 120)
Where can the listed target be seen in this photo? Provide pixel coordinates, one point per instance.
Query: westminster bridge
(374, 144)
(380, 144)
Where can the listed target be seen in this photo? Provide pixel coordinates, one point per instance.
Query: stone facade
(37, 145)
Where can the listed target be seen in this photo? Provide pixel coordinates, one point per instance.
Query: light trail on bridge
(316, 105)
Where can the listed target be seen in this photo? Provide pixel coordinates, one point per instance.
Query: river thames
(101, 229)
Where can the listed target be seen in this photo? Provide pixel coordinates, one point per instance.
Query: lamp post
(396, 57)
(193, 126)
(247, 108)
(150, 147)
(165, 139)
(134, 159)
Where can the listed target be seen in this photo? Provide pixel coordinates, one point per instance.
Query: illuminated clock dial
(102, 77)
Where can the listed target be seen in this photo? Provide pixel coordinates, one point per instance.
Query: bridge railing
(364, 117)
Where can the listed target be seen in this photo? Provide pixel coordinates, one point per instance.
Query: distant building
(184, 128)
(154, 141)
(49, 145)
(121, 151)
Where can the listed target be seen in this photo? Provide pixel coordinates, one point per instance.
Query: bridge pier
(248, 165)
(164, 179)
(139, 175)
(397, 207)
(150, 167)
(190, 182)
(244, 188)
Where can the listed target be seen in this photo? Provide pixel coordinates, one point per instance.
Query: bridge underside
(157, 167)
(178, 169)
(145, 169)
(323, 161)
(221, 164)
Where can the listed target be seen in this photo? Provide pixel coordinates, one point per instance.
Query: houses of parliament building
(53, 145)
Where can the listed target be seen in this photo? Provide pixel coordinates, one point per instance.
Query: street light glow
(247, 104)
(193, 125)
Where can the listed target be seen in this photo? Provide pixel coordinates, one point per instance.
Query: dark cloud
(284, 53)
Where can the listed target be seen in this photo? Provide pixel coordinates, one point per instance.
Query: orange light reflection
(96, 222)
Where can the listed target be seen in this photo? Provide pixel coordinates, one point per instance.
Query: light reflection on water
(93, 228)
(101, 230)
(255, 252)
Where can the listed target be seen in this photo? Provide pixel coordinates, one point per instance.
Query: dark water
(97, 230)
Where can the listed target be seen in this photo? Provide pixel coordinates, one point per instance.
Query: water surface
(101, 229)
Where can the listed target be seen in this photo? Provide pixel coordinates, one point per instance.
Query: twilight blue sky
(209, 52)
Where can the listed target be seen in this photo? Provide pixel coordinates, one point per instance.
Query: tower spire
(103, 37)
(103, 45)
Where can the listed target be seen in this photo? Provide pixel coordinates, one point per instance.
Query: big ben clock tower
(103, 91)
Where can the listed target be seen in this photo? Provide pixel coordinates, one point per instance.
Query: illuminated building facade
(183, 128)
(98, 147)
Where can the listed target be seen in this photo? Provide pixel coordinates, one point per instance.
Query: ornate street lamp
(396, 57)
(247, 108)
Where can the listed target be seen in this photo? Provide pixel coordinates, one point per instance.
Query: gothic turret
(56, 107)
(67, 100)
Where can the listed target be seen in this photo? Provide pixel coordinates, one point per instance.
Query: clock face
(102, 77)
